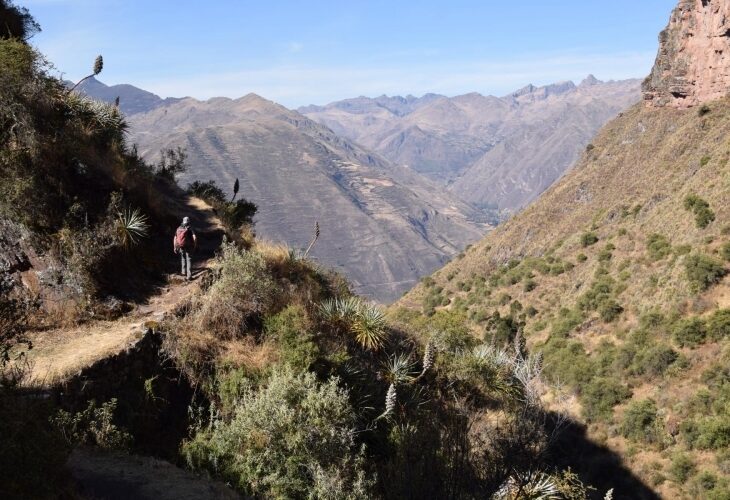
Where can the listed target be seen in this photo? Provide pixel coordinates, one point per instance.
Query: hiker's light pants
(185, 263)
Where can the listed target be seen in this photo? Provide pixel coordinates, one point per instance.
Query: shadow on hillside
(597, 465)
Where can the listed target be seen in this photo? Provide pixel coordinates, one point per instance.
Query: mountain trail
(60, 353)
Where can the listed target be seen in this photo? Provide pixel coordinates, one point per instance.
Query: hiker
(185, 242)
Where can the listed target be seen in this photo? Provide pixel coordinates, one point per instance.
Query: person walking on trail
(184, 243)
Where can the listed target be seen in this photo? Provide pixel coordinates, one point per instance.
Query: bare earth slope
(494, 152)
(384, 226)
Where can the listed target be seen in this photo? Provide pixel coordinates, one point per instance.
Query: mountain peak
(693, 62)
(589, 81)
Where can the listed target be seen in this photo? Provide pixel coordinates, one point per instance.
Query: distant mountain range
(387, 178)
(495, 152)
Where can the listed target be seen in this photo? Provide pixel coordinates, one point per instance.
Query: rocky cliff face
(693, 63)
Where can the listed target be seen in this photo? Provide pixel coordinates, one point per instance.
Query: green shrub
(652, 360)
(243, 289)
(682, 467)
(566, 362)
(718, 325)
(208, 191)
(605, 255)
(610, 310)
(713, 433)
(292, 330)
(566, 321)
(588, 239)
(701, 209)
(581, 257)
(293, 438)
(658, 246)
(703, 271)
(703, 110)
(689, 332)
(725, 251)
(93, 426)
(529, 285)
(599, 397)
(705, 160)
(640, 422)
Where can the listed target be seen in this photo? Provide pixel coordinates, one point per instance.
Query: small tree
(171, 163)
(16, 22)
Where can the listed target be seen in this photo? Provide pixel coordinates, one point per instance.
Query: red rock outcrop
(693, 63)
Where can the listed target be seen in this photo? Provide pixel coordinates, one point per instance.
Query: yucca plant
(131, 226)
(370, 327)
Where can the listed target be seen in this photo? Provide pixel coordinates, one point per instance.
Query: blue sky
(302, 52)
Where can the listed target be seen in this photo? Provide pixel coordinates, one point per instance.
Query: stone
(693, 63)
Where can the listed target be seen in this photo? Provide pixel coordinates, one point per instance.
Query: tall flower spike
(428, 358)
(391, 398)
(98, 64)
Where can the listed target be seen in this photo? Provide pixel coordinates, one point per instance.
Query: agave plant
(370, 327)
(529, 487)
(399, 369)
(97, 115)
(131, 226)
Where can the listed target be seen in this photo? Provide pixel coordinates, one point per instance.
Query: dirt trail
(111, 476)
(60, 353)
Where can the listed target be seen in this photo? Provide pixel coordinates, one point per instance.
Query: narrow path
(116, 476)
(60, 353)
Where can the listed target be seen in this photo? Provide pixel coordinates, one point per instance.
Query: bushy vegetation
(703, 271)
(701, 210)
(292, 438)
(234, 215)
(658, 246)
(588, 239)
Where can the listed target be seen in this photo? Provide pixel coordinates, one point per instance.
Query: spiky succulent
(399, 369)
(370, 328)
(98, 116)
(131, 226)
(529, 487)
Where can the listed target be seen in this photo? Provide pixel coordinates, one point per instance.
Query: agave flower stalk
(429, 355)
(98, 66)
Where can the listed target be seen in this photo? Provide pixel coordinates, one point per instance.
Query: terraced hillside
(619, 275)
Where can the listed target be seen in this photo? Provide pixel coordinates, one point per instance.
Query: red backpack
(182, 237)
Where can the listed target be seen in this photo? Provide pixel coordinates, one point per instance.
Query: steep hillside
(618, 275)
(494, 152)
(384, 226)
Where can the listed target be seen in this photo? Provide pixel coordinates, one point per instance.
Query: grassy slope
(630, 184)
